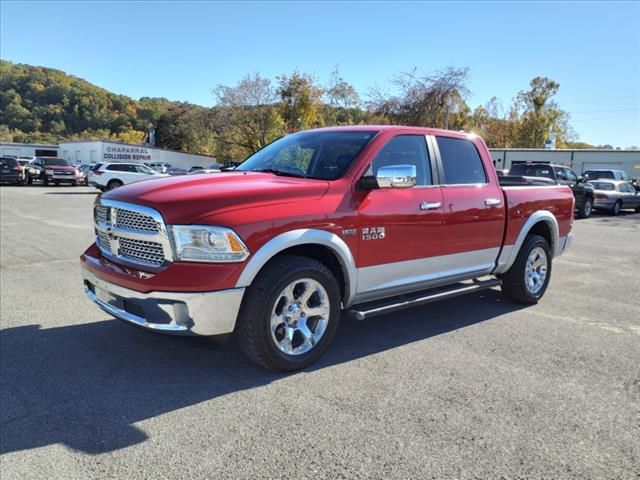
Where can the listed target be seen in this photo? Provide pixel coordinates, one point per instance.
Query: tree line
(40, 104)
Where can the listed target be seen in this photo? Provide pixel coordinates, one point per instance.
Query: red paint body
(259, 206)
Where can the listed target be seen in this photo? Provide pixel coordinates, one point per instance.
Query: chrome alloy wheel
(535, 272)
(300, 316)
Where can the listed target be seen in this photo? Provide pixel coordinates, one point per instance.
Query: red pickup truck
(367, 220)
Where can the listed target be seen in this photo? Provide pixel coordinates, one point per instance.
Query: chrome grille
(132, 234)
(103, 240)
(134, 220)
(142, 251)
(101, 213)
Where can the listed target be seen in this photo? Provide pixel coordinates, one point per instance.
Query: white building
(578, 160)
(28, 149)
(105, 151)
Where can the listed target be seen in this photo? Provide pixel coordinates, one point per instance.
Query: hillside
(39, 104)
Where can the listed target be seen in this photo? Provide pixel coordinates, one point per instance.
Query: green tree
(301, 101)
(248, 118)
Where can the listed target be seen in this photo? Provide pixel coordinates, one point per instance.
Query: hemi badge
(349, 232)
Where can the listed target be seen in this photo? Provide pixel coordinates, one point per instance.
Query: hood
(187, 199)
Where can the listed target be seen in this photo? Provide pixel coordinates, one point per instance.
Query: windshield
(322, 155)
(531, 170)
(603, 185)
(57, 161)
(145, 169)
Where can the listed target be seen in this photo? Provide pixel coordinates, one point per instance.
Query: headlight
(48, 172)
(200, 243)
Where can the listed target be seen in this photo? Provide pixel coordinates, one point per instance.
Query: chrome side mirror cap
(396, 176)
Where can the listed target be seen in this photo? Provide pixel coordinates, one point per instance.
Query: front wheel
(528, 278)
(586, 209)
(289, 314)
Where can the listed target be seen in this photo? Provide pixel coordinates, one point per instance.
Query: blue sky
(181, 50)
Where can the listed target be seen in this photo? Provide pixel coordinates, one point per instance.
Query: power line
(635, 97)
(607, 111)
(623, 117)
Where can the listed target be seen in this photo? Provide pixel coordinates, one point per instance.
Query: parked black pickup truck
(560, 175)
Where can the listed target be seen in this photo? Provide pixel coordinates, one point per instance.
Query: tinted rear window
(532, 170)
(9, 162)
(595, 174)
(603, 185)
(461, 161)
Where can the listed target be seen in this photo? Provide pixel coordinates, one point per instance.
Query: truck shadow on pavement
(85, 385)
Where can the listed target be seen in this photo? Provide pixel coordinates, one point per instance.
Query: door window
(405, 150)
(461, 161)
(571, 177)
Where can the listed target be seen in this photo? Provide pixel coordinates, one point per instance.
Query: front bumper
(62, 178)
(178, 313)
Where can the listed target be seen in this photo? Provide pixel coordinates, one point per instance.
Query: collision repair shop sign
(127, 153)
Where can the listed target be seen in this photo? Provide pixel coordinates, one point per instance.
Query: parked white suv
(108, 176)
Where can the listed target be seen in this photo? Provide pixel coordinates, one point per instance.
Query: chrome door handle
(491, 202)
(430, 206)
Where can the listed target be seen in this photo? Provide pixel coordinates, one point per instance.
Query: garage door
(607, 166)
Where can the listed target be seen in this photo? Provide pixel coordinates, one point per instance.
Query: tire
(114, 184)
(516, 284)
(74, 184)
(615, 211)
(586, 209)
(29, 180)
(637, 209)
(272, 348)
(45, 182)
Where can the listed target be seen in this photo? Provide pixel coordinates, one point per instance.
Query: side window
(461, 161)
(570, 175)
(405, 150)
(560, 174)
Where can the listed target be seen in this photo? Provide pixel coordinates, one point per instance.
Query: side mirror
(397, 176)
(580, 179)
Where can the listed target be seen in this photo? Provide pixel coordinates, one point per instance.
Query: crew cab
(367, 220)
(560, 175)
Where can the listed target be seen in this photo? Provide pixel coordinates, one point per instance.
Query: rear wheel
(586, 209)
(528, 278)
(289, 314)
(114, 184)
(616, 208)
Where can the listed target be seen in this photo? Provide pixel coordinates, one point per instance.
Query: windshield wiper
(275, 171)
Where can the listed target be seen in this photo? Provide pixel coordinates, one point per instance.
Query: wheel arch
(541, 223)
(321, 245)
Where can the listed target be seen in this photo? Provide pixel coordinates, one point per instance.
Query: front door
(400, 229)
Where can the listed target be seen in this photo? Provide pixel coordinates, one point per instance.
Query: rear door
(474, 210)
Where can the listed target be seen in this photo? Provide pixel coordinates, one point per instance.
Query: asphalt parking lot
(474, 387)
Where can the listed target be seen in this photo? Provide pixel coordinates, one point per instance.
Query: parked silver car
(615, 195)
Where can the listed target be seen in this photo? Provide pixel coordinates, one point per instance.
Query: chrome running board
(371, 309)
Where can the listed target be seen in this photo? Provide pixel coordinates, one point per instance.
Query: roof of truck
(398, 128)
